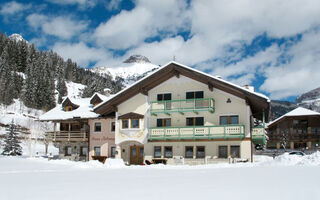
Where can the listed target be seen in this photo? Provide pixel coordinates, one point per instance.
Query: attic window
(68, 108)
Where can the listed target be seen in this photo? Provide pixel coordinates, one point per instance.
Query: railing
(62, 136)
(185, 105)
(258, 135)
(197, 132)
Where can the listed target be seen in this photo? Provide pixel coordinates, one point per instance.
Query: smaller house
(78, 132)
(298, 129)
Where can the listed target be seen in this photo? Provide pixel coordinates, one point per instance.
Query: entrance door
(136, 155)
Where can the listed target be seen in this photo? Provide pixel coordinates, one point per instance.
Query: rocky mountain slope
(309, 100)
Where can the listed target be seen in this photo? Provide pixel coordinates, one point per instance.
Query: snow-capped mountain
(310, 100)
(135, 65)
(17, 37)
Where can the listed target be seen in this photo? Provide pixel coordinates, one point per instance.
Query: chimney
(106, 92)
(249, 87)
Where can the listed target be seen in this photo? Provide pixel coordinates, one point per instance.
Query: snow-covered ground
(286, 177)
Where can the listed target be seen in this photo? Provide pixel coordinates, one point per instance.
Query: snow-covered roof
(101, 96)
(300, 111)
(190, 68)
(84, 111)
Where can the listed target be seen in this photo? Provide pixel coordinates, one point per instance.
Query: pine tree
(12, 143)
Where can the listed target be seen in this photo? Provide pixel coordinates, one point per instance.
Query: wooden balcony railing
(63, 136)
(182, 106)
(197, 132)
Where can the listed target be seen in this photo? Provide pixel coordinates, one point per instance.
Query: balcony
(67, 136)
(258, 135)
(182, 106)
(197, 132)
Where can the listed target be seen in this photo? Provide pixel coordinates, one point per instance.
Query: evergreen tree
(12, 143)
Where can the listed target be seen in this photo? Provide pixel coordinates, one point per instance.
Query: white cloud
(82, 54)
(299, 75)
(147, 19)
(81, 3)
(13, 7)
(113, 4)
(63, 27)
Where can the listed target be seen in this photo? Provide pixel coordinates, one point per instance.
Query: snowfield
(286, 177)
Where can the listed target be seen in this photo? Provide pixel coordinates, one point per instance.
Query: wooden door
(136, 155)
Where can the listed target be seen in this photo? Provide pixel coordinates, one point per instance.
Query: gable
(258, 103)
(95, 100)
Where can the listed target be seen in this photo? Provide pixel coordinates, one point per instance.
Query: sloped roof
(257, 101)
(84, 111)
(300, 111)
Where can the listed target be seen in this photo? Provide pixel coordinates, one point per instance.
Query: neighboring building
(178, 114)
(76, 126)
(298, 129)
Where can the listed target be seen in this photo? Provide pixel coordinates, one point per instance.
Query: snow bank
(114, 163)
(295, 160)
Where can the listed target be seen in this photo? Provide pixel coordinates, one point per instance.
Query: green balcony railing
(258, 135)
(181, 106)
(197, 132)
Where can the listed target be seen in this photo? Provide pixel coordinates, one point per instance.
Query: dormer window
(68, 108)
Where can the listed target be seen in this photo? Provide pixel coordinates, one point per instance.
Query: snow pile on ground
(114, 163)
(294, 160)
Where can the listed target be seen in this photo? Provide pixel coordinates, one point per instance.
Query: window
(68, 151)
(164, 97)
(135, 123)
(157, 152)
(224, 120)
(200, 152)
(163, 122)
(113, 126)
(194, 95)
(83, 151)
(168, 152)
(68, 108)
(97, 127)
(235, 151)
(97, 151)
(189, 152)
(223, 151)
(194, 121)
(113, 152)
(125, 123)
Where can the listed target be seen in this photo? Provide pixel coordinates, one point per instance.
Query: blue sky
(273, 45)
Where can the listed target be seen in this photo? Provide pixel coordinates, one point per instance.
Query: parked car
(298, 153)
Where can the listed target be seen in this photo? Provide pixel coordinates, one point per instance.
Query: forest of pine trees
(35, 76)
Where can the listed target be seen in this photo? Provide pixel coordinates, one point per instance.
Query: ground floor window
(83, 151)
(68, 151)
(157, 152)
(223, 151)
(97, 151)
(200, 152)
(168, 152)
(235, 151)
(113, 152)
(189, 152)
